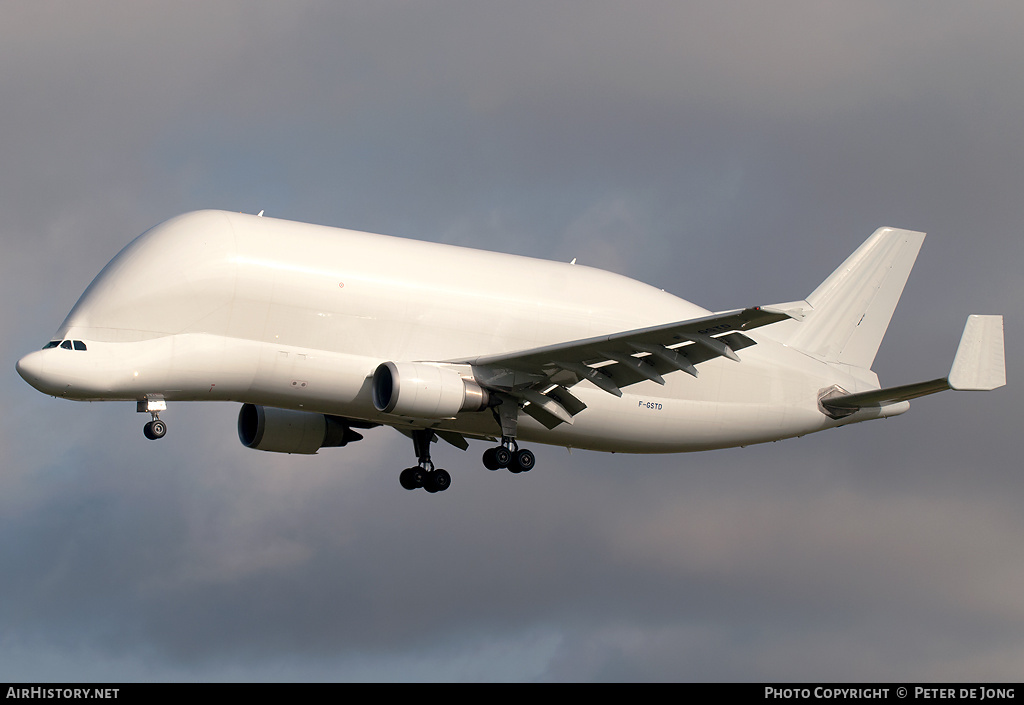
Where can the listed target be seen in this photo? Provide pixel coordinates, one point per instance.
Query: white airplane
(319, 331)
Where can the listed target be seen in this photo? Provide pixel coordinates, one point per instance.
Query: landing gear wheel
(523, 461)
(419, 476)
(155, 429)
(441, 480)
(502, 456)
(490, 462)
(411, 478)
(437, 481)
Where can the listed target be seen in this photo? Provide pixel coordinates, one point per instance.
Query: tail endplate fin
(980, 362)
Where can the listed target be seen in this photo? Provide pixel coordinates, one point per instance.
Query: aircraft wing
(539, 378)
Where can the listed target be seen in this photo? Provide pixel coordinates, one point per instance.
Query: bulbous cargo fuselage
(214, 305)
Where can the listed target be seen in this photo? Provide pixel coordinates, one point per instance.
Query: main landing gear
(509, 455)
(424, 474)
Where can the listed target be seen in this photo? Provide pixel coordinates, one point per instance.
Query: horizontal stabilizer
(979, 365)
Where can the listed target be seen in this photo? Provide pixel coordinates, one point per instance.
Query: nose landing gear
(155, 429)
(153, 404)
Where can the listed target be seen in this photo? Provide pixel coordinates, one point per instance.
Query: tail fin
(847, 315)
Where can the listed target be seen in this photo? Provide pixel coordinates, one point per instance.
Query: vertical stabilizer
(850, 311)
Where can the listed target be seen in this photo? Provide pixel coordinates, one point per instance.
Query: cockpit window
(66, 345)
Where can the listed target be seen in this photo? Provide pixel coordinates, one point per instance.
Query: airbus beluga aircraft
(318, 332)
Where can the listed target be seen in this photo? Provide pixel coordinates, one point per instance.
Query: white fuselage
(223, 306)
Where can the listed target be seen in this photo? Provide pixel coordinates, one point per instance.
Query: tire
(441, 480)
(418, 475)
(524, 461)
(408, 478)
(502, 456)
(489, 460)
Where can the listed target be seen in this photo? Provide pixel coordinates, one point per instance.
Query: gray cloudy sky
(732, 153)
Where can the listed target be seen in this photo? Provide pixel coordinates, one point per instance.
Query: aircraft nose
(30, 368)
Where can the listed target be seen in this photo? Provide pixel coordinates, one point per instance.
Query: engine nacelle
(286, 431)
(424, 391)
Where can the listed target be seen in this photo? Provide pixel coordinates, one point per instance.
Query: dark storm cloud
(733, 154)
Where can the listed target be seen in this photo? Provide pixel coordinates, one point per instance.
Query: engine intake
(425, 391)
(286, 431)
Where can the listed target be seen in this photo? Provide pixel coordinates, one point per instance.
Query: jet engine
(287, 431)
(425, 391)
